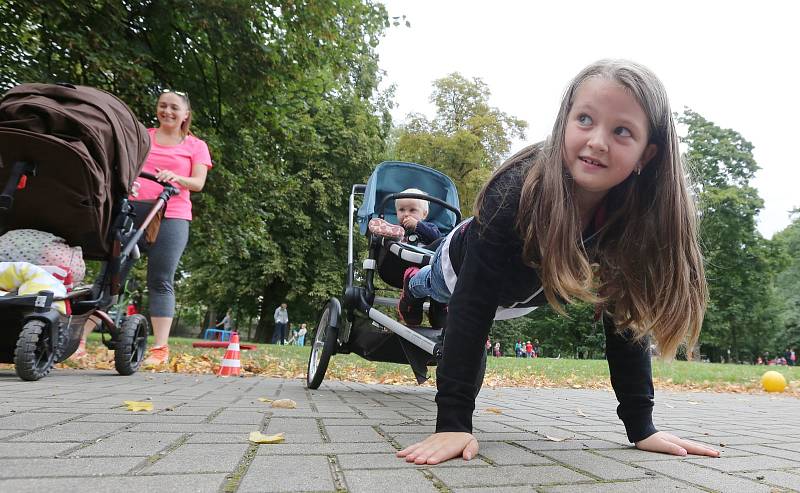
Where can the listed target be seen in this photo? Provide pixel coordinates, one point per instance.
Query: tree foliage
(285, 94)
(788, 286)
(466, 140)
(740, 264)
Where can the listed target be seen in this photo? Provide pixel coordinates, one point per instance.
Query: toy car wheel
(324, 345)
(34, 356)
(129, 351)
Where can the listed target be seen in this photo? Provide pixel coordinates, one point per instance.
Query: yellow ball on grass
(772, 381)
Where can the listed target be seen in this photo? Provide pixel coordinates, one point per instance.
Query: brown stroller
(68, 158)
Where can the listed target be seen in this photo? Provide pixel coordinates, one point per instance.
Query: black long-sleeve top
(486, 255)
(427, 232)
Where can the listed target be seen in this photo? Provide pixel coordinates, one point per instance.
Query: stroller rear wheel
(34, 356)
(324, 345)
(129, 351)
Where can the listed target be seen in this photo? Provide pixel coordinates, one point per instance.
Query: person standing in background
(281, 322)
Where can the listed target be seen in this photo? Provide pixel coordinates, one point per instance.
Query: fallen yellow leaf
(258, 437)
(556, 439)
(138, 406)
(284, 403)
(494, 410)
(264, 399)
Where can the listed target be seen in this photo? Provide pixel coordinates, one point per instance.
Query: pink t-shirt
(179, 159)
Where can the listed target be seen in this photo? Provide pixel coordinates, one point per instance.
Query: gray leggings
(162, 262)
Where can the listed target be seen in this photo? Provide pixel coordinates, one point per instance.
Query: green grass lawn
(291, 361)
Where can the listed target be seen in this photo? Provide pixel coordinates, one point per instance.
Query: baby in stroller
(411, 213)
(362, 322)
(412, 227)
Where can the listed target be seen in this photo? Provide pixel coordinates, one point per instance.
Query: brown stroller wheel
(34, 356)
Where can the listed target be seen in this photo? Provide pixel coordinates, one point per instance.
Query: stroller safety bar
(18, 170)
(408, 195)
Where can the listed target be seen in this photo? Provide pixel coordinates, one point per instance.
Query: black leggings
(162, 261)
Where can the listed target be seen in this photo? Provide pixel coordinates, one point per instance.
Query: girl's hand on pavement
(666, 443)
(440, 447)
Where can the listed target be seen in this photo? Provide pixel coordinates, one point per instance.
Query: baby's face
(409, 207)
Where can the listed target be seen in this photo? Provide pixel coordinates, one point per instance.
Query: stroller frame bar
(401, 330)
(357, 189)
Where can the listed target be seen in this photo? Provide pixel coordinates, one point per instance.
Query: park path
(71, 432)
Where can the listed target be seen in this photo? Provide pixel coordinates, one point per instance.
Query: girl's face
(606, 137)
(171, 110)
(409, 207)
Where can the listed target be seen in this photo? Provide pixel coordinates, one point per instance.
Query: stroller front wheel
(129, 350)
(324, 344)
(34, 356)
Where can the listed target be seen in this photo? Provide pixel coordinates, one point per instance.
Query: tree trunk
(274, 294)
(207, 318)
(265, 323)
(250, 328)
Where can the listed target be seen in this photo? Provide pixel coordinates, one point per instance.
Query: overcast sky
(735, 63)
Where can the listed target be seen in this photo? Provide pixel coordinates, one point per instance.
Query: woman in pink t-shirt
(178, 157)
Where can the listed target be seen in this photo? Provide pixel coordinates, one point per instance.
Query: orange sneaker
(159, 355)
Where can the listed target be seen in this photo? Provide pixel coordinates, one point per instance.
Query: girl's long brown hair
(648, 269)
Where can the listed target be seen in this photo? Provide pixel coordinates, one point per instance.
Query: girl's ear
(647, 155)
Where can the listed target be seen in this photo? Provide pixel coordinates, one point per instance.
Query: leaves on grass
(138, 405)
(258, 437)
(267, 363)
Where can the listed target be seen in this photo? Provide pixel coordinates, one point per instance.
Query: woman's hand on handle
(666, 443)
(440, 447)
(193, 183)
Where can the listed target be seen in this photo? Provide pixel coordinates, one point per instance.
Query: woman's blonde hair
(648, 268)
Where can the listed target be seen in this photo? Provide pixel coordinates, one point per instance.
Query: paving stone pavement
(71, 432)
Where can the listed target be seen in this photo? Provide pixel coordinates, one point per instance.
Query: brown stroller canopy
(87, 147)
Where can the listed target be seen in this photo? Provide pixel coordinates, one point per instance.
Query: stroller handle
(422, 196)
(168, 191)
(169, 188)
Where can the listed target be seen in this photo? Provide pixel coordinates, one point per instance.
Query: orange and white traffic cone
(230, 362)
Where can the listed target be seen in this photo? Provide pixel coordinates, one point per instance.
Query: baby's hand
(410, 223)
(440, 447)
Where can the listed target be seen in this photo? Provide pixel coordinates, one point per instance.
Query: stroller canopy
(87, 147)
(394, 177)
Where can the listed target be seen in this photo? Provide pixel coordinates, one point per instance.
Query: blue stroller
(356, 325)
